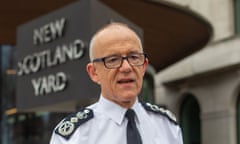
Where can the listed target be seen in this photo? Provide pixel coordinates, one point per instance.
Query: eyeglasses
(115, 61)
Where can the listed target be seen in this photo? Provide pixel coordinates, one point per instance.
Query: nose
(125, 65)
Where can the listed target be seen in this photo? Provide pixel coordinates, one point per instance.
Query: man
(118, 64)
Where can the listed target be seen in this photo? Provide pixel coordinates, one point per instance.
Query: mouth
(125, 81)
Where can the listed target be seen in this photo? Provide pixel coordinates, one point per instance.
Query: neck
(125, 104)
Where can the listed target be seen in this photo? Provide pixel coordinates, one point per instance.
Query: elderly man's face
(121, 85)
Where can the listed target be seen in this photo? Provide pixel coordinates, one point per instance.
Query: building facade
(204, 88)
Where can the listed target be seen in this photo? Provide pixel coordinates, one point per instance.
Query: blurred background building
(194, 51)
(203, 89)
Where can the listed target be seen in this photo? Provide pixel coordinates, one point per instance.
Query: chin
(129, 97)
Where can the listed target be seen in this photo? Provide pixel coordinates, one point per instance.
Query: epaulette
(68, 125)
(160, 110)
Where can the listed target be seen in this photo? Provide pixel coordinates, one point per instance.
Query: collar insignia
(160, 110)
(68, 125)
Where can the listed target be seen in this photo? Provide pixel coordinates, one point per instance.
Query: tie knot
(130, 114)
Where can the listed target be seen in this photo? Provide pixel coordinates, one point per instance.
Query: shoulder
(160, 111)
(68, 125)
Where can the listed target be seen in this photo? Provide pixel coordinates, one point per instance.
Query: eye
(112, 59)
(134, 56)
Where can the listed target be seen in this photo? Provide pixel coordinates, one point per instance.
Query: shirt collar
(116, 112)
(112, 110)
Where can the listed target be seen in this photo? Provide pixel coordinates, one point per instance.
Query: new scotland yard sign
(52, 53)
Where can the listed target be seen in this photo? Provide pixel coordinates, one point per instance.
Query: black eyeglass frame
(122, 59)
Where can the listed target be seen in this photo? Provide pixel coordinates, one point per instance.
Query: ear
(145, 66)
(92, 72)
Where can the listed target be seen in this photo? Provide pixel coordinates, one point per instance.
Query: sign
(52, 54)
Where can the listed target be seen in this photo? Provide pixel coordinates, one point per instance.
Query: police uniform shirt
(108, 126)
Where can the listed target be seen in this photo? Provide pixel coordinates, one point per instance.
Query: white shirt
(108, 126)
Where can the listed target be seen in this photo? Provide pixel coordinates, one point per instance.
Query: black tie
(133, 136)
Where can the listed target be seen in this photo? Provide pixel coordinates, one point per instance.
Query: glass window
(190, 120)
(238, 119)
(30, 128)
(20, 128)
(147, 93)
(7, 86)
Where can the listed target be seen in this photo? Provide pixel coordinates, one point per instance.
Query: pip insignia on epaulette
(68, 125)
(160, 110)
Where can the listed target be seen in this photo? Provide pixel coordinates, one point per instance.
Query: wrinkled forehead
(110, 35)
(116, 32)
